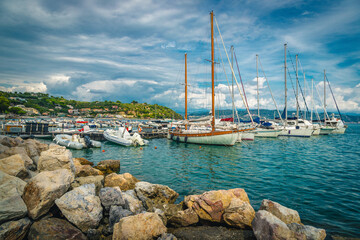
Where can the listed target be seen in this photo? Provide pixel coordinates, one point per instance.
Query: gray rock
(81, 207)
(12, 205)
(211, 233)
(7, 141)
(285, 214)
(54, 229)
(161, 214)
(42, 190)
(15, 166)
(117, 213)
(111, 196)
(167, 236)
(15, 230)
(3, 149)
(153, 195)
(22, 151)
(132, 203)
(267, 226)
(97, 180)
(307, 232)
(184, 218)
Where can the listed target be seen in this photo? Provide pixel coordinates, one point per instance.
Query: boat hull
(225, 138)
(247, 136)
(267, 133)
(293, 132)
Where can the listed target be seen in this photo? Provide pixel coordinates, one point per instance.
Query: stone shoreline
(47, 194)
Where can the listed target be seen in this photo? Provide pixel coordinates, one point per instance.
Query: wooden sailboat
(208, 135)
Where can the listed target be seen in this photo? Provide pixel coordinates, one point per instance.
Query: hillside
(42, 104)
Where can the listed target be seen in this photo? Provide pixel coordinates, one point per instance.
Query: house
(85, 110)
(115, 107)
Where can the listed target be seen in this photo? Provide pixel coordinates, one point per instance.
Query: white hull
(127, 140)
(267, 133)
(219, 139)
(316, 131)
(67, 141)
(293, 132)
(249, 136)
(340, 130)
(326, 130)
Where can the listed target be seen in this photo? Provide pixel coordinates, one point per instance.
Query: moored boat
(123, 137)
(75, 141)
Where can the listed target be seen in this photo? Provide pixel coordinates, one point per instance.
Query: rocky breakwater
(55, 196)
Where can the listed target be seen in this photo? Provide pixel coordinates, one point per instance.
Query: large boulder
(56, 158)
(19, 150)
(42, 190)
(110, 196)
(142, 226)
(82, 161)
(86, 170)
(183, 218)
(125, 181)
(116, 213)
(12, 205)
(3, 150)
(54, 229)
(15, 230)
(81, 207)
(153, 195)
(97, 180)
(285, 214)
(307, 232)
(132, 203)
(223, 206)
(267, 226)
(8, 141)
(15, 166)
(109, 166)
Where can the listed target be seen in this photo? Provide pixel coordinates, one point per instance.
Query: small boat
(123, 137)
(75, 141)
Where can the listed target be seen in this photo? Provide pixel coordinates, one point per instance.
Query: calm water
(317, 176)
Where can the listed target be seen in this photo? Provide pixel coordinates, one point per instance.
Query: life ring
(139, 129)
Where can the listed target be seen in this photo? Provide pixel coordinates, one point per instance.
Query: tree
(4, 104)
(17, 110)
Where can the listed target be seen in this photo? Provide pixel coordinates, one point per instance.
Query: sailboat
(292, 127)
(208, 134)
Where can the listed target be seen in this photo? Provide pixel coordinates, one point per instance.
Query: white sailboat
(207, 134)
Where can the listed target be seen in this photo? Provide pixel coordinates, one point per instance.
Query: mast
(305, 96)
(212, 72)
(324, 96)
(285, 88)
(297, 90)
(185, 91)
(312, 99)
(232, 78)
(257, 80)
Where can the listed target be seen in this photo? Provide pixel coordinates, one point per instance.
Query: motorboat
(123, 137)
(75, 141)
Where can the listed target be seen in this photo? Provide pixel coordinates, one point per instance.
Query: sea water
(318, 176)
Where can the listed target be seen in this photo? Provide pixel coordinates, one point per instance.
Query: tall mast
(232, 78)
(304, 95)
(257, 80)
(312, 99)
(212, 72)
(324, 96)
(185, 91)
(297, 90)
(285, 87)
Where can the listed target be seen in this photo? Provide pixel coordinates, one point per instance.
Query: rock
(211, 233)
(125, 181)
(167, 236)
(307, 232)
(267, 226)
(86, 170)
(56, 158)
(81, 207)
(172, 209)
(285, 214)
(117, 213)
(132, 203)
(54, 229)
(15, 230)
(153, 195)
(109, 166)
(97, 180)
(3, 149)
(7, 141)
(111, 196)
(239, 214)
(161, 215)
(12, 205)
(83, 161)
(14, 165)
(141, 226)
(229, 206)
(184, 218)
(42, 190)
(19, 150)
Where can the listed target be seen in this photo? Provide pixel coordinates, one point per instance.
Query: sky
(91, 50)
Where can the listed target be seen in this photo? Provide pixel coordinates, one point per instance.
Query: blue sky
(134, 50)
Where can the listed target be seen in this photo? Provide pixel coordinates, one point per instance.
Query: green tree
(17, 110)
(4, 104)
